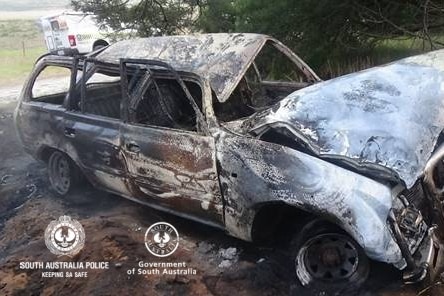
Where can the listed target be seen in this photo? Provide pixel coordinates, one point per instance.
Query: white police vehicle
(71, 33)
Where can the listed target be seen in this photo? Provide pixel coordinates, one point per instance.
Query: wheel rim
(60, 173)
(327, 258)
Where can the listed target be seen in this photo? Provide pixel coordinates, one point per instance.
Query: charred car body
(214, 128)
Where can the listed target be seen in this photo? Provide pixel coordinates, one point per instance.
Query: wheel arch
(100, 42)
(277, 218)
(282, 219)
(45, 151)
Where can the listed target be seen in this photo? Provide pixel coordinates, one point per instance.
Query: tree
(317, 29)
(146, 17)
(217, 16)
(334, 28)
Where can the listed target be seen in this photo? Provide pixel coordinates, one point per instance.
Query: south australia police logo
(161, 239)
(65, 236)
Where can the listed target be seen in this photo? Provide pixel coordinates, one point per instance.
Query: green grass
(14, 67)
(15, 35)
(384, 52)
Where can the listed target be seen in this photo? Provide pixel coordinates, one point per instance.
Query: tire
(327, 258)
(63, 173)
(99, 45)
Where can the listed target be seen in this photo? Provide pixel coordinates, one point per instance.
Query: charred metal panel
(174, 169)
(95, 140)
(223, 58)
(389, 116)
(255, 172)
(40, 125)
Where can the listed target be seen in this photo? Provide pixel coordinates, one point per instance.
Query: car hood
(390, 116)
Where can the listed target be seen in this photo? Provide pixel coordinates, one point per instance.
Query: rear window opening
(51, 85)
(103, 95)
(163, 103)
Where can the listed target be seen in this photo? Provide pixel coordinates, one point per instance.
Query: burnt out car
(237, 132)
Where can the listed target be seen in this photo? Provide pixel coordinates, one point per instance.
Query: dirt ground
(115, 230)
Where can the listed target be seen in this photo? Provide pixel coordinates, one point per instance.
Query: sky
(31, 9)
(24, 5)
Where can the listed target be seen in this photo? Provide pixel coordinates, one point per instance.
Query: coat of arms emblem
(64, 236)
(161, 239)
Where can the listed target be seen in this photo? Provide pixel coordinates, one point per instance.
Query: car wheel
(63, 173)
(327, 258)
(99, 46)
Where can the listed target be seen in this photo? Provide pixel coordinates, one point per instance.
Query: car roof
(223, 58)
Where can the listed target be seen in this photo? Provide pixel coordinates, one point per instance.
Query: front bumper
(428, 259)
(66, 51)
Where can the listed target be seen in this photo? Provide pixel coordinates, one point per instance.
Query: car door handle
(70, 132)
(133, 147)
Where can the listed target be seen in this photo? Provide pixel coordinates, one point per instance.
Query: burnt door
(92, 126)
(170, 159)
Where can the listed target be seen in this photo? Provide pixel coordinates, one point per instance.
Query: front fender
(255, 172)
